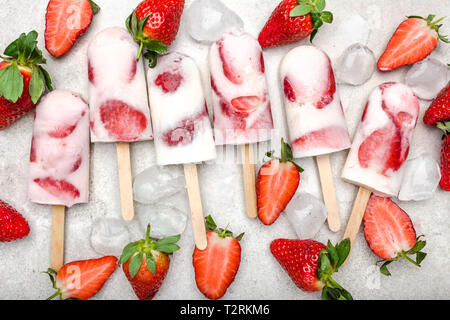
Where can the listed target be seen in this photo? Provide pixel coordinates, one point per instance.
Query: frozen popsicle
(181, 125)
(59, 159)
(315, 117)
(241, 103)
(380, 147)
(118, 101)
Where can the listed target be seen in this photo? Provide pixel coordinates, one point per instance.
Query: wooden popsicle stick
(329, 194)
(248, 170)
(125, 180)
(57, 241)
(359, 207)
(195, 203)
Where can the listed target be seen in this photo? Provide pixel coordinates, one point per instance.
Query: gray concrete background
(259, 276)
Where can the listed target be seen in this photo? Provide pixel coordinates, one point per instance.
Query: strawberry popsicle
(59, 157)
(314, 112)
(181, 124)
(241, 103)
(117, 89)
(380, 147)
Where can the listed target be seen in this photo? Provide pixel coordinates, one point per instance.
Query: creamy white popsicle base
(381, 144)
(181, 122)
(314, 112)
(117, 89)
(59, 157)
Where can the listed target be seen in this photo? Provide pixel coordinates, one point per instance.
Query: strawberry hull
(381, 144)
(119, 109)
(59, 156)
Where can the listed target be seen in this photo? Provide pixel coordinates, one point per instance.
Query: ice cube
(306, 214)
(109, 236)
(420, 179)
(157, 182)
(207, 20)
(353, 29)
(164, 220)
(357, 65)
(427, 77)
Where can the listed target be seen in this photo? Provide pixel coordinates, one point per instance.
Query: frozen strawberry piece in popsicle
(117, 89)
(181, 122)
(314, 112)
(240, 98)
(59, 156)
(381, 144)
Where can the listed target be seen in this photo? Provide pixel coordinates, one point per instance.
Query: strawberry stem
(141, 47)
(402, 254)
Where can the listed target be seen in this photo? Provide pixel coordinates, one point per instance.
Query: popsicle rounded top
(59, 156)
(119, 110)
(314, 111)
(240, 99)
(381, 144)
(181, 122)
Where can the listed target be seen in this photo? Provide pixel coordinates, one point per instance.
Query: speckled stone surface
(259, 276)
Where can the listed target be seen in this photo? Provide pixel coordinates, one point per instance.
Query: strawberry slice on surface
(60, 189)
(122, 121)
(65, 22)
(414, 39)
(390, 233)
(13, 226)
(276, 184)
(217, 265)
(80, 280)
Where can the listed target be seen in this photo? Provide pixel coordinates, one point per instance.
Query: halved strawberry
(65, 21)
(217, 265)
(81, 279)
(439, 110)
(277, 183)
(122, 121)
(390, 233)
(60, 189)
(414, 39)
(330, 137)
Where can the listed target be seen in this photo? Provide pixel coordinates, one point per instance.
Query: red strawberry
(146, 262)
(277, 183)
(82, 279)
(445, 157)
(60, 189)
(439, 110)
(122, 121)
(154, 25)
(62, 132)
(246, 105)
(65, 22)
(414, 39)
(310, 265)
(330, 137)
(168, 81)
(22, 78)
(390, 233)
(294, 20)
(217, 265)
(13, 225)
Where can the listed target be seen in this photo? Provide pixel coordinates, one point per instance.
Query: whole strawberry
(294, 20)
(22, 78)
(445, 157)
(310, 265)
(146, 262)
(13, 225)
(439, 109)
(154, 25)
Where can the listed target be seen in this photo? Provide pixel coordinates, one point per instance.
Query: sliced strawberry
(82, 279)
(414, 39)
(33, 151)
(217, 265)
(330, 137)
(277, 183)
(288, 90)
(390, 232)
(122, 121)
(246, 105)
(65, 21)
(76, 165)
(229, 70)
(60, 189)
(169, 82)
(62, 132)
(439, 110)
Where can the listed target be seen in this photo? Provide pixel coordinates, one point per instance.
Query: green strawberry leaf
(333, 254)
(151, 263)
(151, 57)
(37, 85)
(12, 50)
(47, 79)
(94, 6)
(301, 10)
(383, 269)
(128, 252)
(167, 248)
(239, 237)
(343, 249)
(128, 23)
(134, 23)
(324, 262)
(327, 17)
(11, 82)
(320, 5)
(420, 256)
(30, 43)
(155, 46)
(135, 264)
(168, 240)
(210, 223)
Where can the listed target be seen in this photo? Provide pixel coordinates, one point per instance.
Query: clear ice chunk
(109, 236)
(353, 29)
(420, 179)
(356, 65)
(207, 20)
(306, 214)
(158, 182)
(427, 77)
(164, 220)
